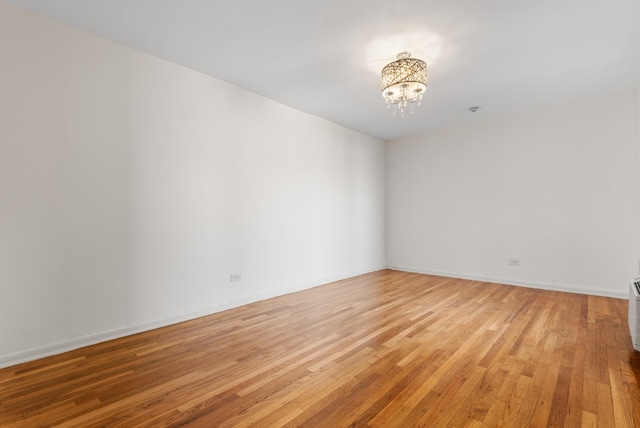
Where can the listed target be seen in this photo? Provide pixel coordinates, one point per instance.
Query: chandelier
(404, 81)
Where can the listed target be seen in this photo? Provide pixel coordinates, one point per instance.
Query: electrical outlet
(514, 262)
(235, 277)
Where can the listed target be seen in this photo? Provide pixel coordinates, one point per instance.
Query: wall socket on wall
(235, 277)
(514, 261)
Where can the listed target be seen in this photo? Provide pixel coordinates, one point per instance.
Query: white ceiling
(324, 57)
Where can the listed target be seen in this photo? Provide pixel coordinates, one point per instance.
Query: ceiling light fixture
(404, 81)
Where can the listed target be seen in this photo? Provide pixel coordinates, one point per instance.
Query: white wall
(131, 188)
(556, 188)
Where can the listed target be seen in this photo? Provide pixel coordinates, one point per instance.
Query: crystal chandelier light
(404, 81)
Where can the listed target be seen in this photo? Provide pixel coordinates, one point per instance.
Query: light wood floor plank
(386, 349)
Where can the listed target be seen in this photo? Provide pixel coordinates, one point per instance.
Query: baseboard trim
(517, 283)
(23, 356)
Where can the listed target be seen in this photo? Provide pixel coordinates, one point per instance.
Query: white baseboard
(518, 283)
(23, 356)
(13, 358)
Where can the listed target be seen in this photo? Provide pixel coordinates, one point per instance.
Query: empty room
(319, 214)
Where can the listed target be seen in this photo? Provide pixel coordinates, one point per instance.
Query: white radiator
(634, 310)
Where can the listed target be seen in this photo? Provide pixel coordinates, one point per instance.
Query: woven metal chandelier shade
(404, 81)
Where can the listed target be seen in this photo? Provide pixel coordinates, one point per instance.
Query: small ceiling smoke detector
(473, 109)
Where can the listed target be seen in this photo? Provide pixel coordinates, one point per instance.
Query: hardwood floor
(388, 349)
